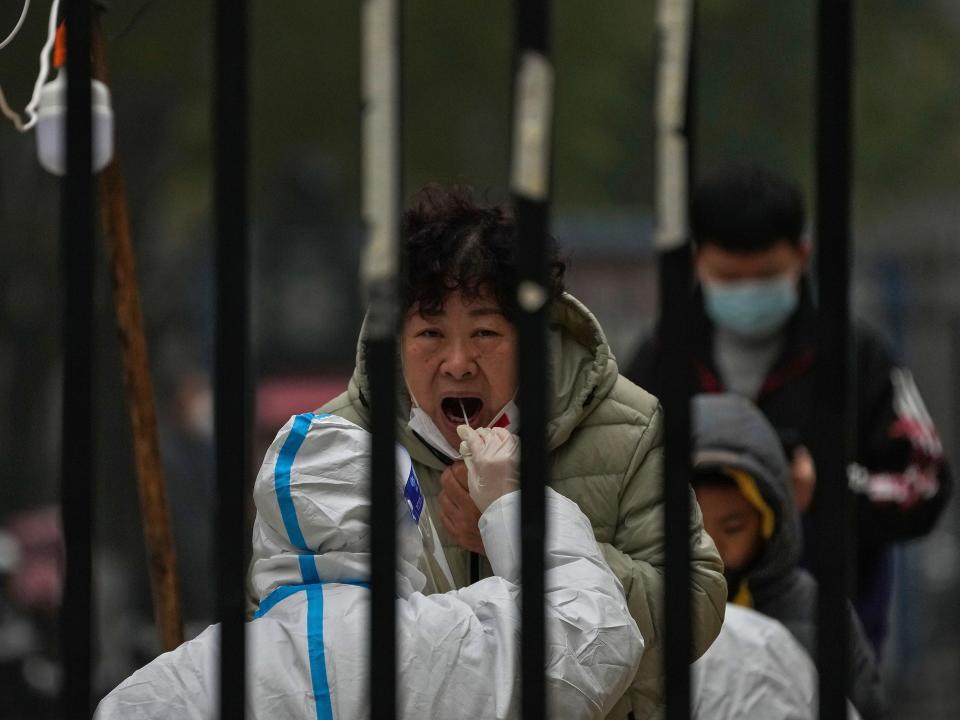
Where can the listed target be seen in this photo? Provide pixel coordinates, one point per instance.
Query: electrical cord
(31, 109)
(10, 112)
(16, 29)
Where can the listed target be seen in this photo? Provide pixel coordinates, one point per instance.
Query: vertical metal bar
(834, 32)
(530, 187)
(231, 352)
(382, 173)
(76, 233)
(674, 303)
(674, 120)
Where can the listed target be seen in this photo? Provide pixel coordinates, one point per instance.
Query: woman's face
(466, 353)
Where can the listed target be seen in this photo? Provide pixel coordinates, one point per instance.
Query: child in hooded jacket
(743, 485)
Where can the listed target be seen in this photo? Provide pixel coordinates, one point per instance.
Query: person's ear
(695, 255)
(803, 255)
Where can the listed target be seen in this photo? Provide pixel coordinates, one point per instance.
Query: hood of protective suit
(312, 496)
(582, 372)
(730, 432)
(754, 669)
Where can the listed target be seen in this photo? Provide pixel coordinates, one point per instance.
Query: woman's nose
(460, 362)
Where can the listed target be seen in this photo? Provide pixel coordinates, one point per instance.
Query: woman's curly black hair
(452, 243)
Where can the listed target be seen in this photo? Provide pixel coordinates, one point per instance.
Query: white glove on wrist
(491, 456)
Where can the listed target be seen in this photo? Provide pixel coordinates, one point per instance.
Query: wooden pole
(161, 555)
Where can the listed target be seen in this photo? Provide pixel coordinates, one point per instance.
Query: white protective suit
(755, 670)
(457, 652)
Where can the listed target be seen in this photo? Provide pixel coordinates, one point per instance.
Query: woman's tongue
(454, 409)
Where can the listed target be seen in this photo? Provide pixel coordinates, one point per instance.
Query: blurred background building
(754, 102)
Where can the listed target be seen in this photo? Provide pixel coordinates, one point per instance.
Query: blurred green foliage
(754, 100)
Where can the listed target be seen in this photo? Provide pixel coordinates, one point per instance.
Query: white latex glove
(491, 456)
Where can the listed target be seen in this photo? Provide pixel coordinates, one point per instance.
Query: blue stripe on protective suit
(281, 593)
(281, 478)
(308, 569)
(285, 591)
(315, 650)
(281, 481)
(318, 661)
(318, 664)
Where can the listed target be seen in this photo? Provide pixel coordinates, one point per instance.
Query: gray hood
(729, 431)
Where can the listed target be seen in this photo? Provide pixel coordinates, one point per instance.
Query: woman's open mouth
(454, 408)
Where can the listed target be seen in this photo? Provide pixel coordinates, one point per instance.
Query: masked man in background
(755, 335)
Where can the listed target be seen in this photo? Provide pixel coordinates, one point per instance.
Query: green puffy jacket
(606, 450)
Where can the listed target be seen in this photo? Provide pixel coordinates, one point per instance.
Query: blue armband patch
(413, 495)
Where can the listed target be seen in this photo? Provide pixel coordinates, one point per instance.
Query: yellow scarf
(748, 488)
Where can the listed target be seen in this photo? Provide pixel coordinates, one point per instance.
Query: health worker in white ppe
(457, 652)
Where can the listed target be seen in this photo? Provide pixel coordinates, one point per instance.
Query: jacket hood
(312, 496)
(583, 370)
(730, 432)
(755, 668)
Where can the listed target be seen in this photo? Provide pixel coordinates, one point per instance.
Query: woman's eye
(429, 333)
(485, 333)
(733, 529)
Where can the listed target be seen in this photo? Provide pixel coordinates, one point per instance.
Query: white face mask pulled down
(422, 424)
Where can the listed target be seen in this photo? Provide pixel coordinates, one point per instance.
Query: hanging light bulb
(52, 113)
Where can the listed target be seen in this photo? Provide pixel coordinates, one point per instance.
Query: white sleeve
(176, 684)
(593, 644)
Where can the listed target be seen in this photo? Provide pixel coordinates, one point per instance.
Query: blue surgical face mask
(753, 308)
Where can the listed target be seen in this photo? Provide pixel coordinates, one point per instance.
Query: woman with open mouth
(458, 352)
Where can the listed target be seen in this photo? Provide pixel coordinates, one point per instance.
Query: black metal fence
(76, 230)
(529, 182)
(232, 418)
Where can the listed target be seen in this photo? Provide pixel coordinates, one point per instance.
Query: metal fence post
(530, 187)
(231, 353)
(382, 195)
(832, 444)
(76, 465)
(673, 113)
